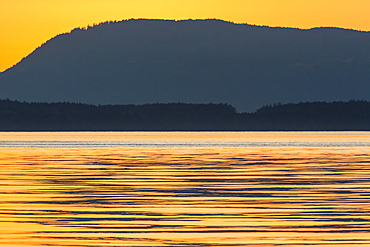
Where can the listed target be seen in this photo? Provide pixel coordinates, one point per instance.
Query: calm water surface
(185, 189)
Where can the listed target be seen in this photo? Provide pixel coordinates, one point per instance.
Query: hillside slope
(157, 61)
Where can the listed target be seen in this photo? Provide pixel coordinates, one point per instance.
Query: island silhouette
(193, 61)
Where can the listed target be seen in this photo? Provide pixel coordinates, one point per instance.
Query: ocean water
(185, 189)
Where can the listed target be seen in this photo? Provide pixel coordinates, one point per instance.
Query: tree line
(23, 116)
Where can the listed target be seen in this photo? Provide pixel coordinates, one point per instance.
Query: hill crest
(86, 28)
(142, 61)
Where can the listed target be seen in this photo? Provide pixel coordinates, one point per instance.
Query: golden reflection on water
(251, 196)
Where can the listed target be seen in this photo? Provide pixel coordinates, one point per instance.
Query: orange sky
(26, 24)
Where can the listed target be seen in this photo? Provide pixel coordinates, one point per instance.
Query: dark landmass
(20, 116)
(194, 61)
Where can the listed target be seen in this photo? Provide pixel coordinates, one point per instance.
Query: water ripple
(249, 196)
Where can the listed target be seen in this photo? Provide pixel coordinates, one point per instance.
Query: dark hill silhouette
(150, 61)
(15, 115)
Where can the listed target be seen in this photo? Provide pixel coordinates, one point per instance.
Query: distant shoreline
(310, 116)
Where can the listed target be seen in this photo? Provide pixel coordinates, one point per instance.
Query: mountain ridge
(136, 61)
(145, 19)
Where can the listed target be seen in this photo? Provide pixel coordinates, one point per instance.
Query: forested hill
(193, 61)
(17, 116)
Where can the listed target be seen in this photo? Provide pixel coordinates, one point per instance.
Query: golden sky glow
(26, 24)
